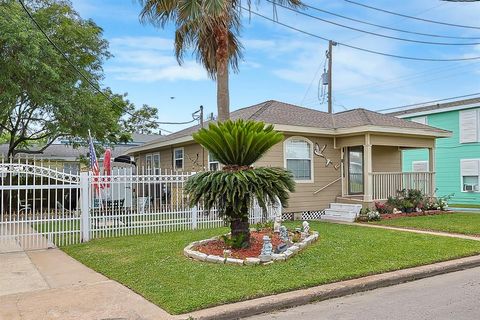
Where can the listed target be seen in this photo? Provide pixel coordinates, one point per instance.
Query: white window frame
(469, 175)
(461, 138)
(152, 169)
(175, 158)
(421, 120)
(213, 162)
(310, 143)
(422, 162)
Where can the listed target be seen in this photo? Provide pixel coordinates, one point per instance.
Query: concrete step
(339, 215)
(346, 207)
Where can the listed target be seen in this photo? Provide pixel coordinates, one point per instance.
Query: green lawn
(464, 223)
(466, 205)
(154, 265)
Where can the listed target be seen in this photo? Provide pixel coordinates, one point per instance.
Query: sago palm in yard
(211, 29)
(238, 145)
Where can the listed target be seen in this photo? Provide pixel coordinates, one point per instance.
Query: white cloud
(150, 59)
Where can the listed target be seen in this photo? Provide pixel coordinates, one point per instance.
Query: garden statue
(267, 250)
(284, 234)
(283, 246)
(306, 229)
(277, 223)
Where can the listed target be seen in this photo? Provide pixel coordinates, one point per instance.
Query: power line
(360, 48)
(93, 85)
(374, 33)
(429, 102)
(411, 17)
(387, 27)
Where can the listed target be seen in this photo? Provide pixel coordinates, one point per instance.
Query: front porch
(372, 167)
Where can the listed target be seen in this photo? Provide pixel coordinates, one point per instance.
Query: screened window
(213, 164)
(470, 171)
(178, 158)
(298, 158)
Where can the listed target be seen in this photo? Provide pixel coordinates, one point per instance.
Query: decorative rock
(294, 249)
(279, 256)
(197, 255)
(252, 261)
(234, 261)
(265, 257)
(302, 245)
(266, 263)
(288, 254)
(215, 259)
(281, 248)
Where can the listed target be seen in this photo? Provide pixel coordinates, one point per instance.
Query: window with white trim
(298, 158)
(178, 158)
(422, 120)
(469, 125)
(419, 166)
(152, 163)
(470, 171)
(213, 163)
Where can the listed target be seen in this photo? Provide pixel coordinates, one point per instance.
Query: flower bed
(216, 250)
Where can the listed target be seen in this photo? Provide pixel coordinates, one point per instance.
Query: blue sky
(285, 65)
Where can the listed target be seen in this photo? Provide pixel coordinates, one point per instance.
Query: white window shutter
(421, 120)
(470, 167)
(468, 126)
(420, 166)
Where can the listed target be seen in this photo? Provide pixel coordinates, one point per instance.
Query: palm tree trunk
(240, 226)
(223, 95)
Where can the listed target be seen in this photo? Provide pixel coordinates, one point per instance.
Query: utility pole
(330, 62)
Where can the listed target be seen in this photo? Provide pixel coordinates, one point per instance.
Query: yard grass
(154, 265)
(466, 205)
(464, 223)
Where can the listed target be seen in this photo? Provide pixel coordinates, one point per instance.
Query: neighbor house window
(420, 166)
(298, 158)
(71, 167)
(178, 158)
(470, 171)
(469, 125)
(152, 163)
(213, 164)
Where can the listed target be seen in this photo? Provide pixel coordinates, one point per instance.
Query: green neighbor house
(457, 159)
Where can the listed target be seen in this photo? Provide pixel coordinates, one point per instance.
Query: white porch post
(367, 170)
(431, 168)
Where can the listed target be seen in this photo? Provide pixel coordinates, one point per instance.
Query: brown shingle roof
(437, 106)
(280, 113)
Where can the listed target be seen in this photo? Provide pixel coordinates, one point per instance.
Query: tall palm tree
(209, 27)
(237, 145)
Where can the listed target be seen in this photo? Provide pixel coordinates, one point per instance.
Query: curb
(328, 291)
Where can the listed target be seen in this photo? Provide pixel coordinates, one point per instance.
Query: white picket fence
(42, 207)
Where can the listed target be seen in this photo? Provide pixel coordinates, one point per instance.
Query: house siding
(449, 152)
(303, 199)
(386, 159)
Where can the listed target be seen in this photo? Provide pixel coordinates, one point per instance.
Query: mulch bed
(414, 214)
(216, 247)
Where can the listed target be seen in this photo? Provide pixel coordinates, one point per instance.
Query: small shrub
(383, 208)
(263, 225)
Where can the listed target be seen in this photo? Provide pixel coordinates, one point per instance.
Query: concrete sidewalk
(48, 284)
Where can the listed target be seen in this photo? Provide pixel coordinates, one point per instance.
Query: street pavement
(453, 296)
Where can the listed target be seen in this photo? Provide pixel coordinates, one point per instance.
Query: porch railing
(386, 184)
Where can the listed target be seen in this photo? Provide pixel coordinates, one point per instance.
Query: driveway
(48, 284)
(445, 297)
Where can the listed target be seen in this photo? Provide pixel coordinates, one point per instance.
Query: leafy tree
(41, 96)
(237, 145)
(211, 28)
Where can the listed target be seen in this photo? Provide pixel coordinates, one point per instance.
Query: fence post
(85, 206)
(194, 217)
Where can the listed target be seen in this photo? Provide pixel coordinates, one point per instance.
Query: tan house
(347, 157)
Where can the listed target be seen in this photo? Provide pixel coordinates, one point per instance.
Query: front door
(355, 170)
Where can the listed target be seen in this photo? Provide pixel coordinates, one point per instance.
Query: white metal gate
(41, 207)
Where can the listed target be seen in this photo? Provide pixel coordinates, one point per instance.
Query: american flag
(93, 160)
